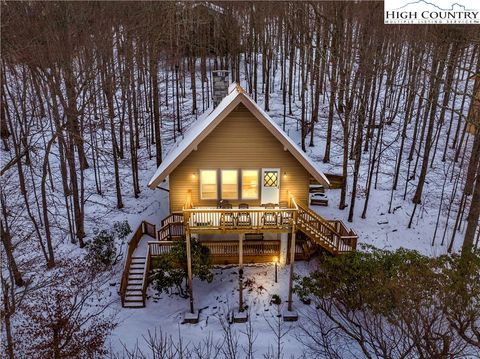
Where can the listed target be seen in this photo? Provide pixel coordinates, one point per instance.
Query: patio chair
(269, 219)
(286, 217)
(223, 203)
(227, 219)
(244, 219)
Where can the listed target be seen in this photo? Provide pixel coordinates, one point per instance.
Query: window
(229, 184)
(249, 184)
(270, 179)
(208, 184)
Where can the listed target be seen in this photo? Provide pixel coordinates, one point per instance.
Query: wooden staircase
(134, 295)
(333, 236)
(133, 285)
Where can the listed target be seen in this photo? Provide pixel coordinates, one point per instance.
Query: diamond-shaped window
(270, 179)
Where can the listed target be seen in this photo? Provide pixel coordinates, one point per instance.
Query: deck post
(292, 261)
(283, 248)
(240, 271)
(189, 268)
(240, 316)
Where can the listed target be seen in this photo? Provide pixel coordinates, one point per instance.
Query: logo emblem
(431, 12)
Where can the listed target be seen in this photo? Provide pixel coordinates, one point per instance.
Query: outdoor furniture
(316, 189)
(319, 199)
(269, 219)
(223, 203)
(244, 219)
(227, 219)
(254, 236)
(286, 217)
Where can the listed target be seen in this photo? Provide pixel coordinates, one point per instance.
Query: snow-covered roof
(212, 117)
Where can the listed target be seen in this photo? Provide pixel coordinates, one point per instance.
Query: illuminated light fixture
(194, 175)
(284, 174)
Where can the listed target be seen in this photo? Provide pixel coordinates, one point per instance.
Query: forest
(93, 95)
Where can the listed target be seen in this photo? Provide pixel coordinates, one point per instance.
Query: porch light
(194, 176)
(284, 174)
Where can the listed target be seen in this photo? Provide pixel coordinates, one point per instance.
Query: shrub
(102, 249)
(394, 304)
(170, 270)
(276, 299)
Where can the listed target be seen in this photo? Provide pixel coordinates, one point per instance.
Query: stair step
(134, 287)
(135, 281)
(137, 272)
(133, 298)
(130, 276)
(133, 305)
(138, 262)
(135, 276)
(133, 292)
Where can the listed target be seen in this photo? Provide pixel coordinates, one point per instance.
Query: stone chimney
(220, 86)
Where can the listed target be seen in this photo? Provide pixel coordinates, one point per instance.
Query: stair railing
(146, 270)
(143, 228)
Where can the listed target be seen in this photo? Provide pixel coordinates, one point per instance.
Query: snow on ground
(380, 228)
(165, 312)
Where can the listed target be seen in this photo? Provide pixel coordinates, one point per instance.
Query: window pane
(208, 184)
(270, 179)
(249, 184)
(229, 184)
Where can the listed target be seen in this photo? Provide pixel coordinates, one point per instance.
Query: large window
(229, 184)
(249, 184)
(208, 184)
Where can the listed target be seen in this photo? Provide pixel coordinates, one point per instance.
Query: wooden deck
(251, 220)
(331, 235)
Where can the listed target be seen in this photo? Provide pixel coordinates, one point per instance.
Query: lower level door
(270, 185)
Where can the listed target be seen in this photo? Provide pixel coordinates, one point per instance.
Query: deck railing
(158, 248)
(348, 237)
(250, 248)
(226, 250)
(209, 220)
(171, 231)
(336, 237)
(174, 217)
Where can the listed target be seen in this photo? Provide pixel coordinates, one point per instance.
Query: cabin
(239, 185)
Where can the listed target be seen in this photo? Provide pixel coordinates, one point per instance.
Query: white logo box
(431, 12)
